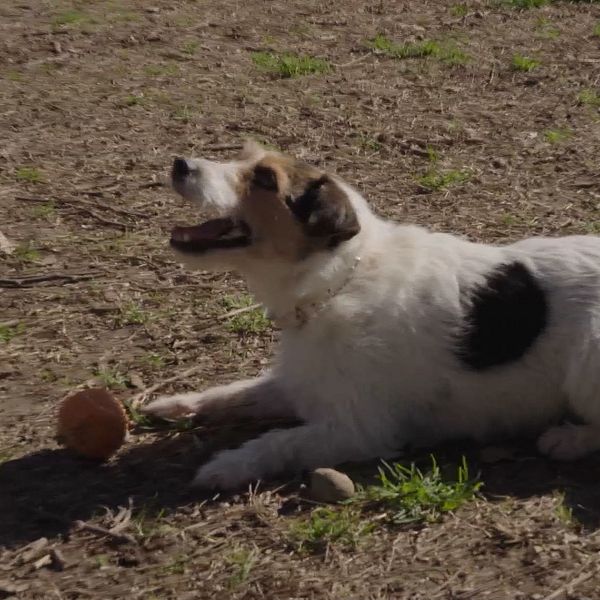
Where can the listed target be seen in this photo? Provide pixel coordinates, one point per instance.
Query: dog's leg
(307, 446)
(582, 387)
(251, 398)
(569, 442)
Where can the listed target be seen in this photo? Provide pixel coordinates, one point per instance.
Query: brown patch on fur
(276, 232)
(293, 208)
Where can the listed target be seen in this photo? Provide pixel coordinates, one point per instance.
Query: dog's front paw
(225, 472)
(567, 442)
(172, 407)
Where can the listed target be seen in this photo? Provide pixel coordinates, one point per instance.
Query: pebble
(329, 485)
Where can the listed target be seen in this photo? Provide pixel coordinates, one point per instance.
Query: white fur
(374, 369)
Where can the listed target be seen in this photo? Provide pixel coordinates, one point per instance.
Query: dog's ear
(270, 176)
(325, 212)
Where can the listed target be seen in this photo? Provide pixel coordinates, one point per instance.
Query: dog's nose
(181, 168)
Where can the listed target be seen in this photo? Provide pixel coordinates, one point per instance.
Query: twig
(569, 587)
(140, 398)
(352, 62)
(238, 311)
(33, 280)
(120, 537)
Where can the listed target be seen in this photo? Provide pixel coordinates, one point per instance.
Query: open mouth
(216, 234)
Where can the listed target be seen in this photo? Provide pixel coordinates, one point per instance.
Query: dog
(391, 335)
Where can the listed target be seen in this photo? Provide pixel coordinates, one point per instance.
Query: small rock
(499, 163)
(329, 485)
(152, 9)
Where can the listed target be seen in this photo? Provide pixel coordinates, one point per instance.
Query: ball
(92, 423)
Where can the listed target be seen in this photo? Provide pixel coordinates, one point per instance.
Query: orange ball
(92, 423)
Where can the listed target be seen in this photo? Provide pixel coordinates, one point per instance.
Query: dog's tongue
(211, 230)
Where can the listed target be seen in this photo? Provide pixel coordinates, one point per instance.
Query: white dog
(392, 335)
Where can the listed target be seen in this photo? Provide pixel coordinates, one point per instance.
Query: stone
(329, 485)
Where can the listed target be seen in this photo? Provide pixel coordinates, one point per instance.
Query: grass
(46, 210)
(412, 496)
(527, 4)
(8, 332)
(133, 100)
(241, 561)
(156, 361)
(161, 70)
(459, 10)
(26, 253)
(289, 65)
(547, 29)
(524, 63)
(190, 47)
(596, 31)
(13, 76)
(589, 97)
(29, 175)
(71, 17)
(555, 136)
(445, 52)
(435, 180)
(132, 314)
(326, 525)
(111, 378)
(252, 322)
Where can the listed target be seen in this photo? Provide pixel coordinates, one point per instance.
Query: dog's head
(271, 207)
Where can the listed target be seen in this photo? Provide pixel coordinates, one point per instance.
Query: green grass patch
(13, 75)
(45, 210)
(555, 136)
(589, 97)
(71, 17)
(443, 51)
(435, 179)
(26, 252)
(161, 70)
(289, 65)
(546, 29)
(241, 561)
(111, 378)
(132, 314)
(596, 31)
(190, 47)
(133, 100)
(344, 526)
(412, 496)
(29, 175)
(459, 10)
(526, 4)
(524, 63)
(250, 322)
(8, 332)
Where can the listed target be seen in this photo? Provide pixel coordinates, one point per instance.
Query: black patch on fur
(265, 178)
(325, 212)
(505, 317)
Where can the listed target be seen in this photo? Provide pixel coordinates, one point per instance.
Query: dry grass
(96, 99)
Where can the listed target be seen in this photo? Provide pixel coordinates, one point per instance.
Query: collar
(303, 312)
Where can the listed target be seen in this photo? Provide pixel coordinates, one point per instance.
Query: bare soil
(95, 100)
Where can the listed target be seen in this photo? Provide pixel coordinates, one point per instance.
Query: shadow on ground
(43, 493)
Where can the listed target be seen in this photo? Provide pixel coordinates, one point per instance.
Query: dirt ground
(95, 100)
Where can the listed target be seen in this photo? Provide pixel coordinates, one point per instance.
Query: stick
(139, 399)
(33, 280)
(238, 311)
(571, 585)
(120, 537)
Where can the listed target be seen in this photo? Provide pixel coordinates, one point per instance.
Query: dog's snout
(181, 168)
